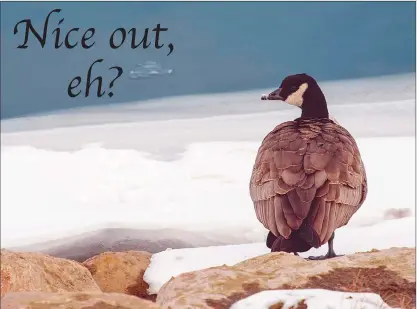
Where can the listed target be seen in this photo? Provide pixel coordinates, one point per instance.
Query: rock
(121, 272)
(74, 300)
(23, 272)
(388, 273)
(5, 282)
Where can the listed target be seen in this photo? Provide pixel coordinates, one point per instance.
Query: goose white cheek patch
(296, 98)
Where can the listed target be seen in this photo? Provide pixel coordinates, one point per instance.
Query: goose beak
(274, 95)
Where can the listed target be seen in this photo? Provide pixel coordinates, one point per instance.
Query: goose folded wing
(344, 188)
(276, 187)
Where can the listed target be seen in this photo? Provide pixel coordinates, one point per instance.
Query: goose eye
(293, 88)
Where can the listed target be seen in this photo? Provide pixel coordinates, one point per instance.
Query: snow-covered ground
(185, 163)
(49, 194)
(313, 299)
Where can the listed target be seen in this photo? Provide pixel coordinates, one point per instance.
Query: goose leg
(330, 253)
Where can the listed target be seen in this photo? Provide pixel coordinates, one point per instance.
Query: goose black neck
(314, 105)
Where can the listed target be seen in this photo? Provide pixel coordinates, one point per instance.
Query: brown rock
(5, 282)
(22, 272)
(121, 272)
(389, 273)
(74, 300)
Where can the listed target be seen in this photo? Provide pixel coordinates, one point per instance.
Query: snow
(70, 192)
(184, 164)
(313, 299)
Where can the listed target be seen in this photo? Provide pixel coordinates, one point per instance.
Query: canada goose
(308, 178)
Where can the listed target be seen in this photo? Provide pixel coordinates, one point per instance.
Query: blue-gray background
(219, 46)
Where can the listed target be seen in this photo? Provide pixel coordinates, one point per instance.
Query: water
(219, 47)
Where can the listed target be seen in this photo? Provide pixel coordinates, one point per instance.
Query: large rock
(23, 272)
(389, 273)
(74, 300)
(120, 272)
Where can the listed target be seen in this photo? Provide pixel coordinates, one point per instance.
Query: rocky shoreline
(114, 280)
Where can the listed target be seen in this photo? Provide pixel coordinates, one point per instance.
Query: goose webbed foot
(330, 253)
(323, 257)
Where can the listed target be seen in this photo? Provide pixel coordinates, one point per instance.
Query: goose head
(301, 90)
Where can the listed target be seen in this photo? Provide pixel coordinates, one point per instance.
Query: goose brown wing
(277, 173)
(307, 169)
(345, 188)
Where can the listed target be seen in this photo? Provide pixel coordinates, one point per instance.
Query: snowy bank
(95, 188)
(312, 299)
